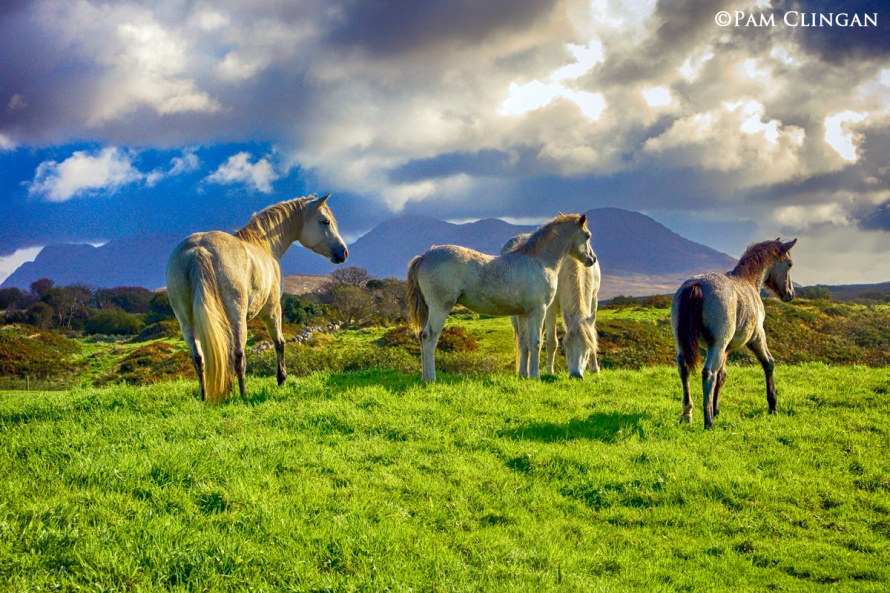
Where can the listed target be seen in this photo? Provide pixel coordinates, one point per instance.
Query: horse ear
(787, 246)
(322, 200)
(583, 220)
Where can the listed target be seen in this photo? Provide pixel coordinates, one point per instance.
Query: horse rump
(417, 307)
(689, 323)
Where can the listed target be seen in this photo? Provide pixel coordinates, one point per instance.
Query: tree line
(352, 296)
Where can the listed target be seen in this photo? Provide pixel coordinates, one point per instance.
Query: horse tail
(689, 323)
(418, 311)
(211, 329)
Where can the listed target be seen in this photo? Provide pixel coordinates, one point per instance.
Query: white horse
(521, 282)
(217, 282)
(576, 297)
(725, 312)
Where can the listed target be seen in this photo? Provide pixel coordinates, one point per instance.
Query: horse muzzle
(590, 261)
(787, 297)
(339, 256)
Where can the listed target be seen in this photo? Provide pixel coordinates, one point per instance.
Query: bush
(302, 312)
(168, 328)
(115, 322)
(28, 351)
(159, 308)
(815, 293)
(454, 338)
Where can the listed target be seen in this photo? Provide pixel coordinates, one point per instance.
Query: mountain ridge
(648, 256)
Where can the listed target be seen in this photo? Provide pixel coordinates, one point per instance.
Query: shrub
(302, 312)
(159, 308)
(28, 351)
(454, 338)
(168, 328)
(815, 293)
(114, 321)
(157, 361)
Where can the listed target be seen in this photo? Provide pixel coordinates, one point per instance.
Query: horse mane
(275, 224)
(756, 257)
(545, 233)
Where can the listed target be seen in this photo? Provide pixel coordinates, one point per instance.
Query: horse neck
(551, 251)
(754, 274)
(277, 238)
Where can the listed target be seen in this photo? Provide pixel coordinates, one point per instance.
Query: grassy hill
(368, 480)
(632, 335)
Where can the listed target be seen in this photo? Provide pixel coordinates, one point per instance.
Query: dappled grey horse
(725, 312)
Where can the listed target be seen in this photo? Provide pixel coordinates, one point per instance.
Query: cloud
(239, 169)
(466, 109)
(83, 173)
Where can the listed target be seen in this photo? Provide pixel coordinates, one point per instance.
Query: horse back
(512, 284)
(244, 274)
(731, 310)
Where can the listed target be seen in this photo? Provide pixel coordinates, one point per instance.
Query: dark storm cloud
(678, 28)
(393, 26)
(838, 44)
(878, 219)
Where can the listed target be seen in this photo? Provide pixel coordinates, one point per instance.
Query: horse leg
(271, 317)
(721, 379)
(593, 361)
(197, 356)
(518, 347)
(758, 347)
(239, 357)
(429, 337)
(715, 361)
(534, 325)
(552, 338)
(686, 415)
(522, 344)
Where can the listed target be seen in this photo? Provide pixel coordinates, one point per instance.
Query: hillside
(638, 255)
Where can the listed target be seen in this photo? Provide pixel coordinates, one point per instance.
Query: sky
(729, 122)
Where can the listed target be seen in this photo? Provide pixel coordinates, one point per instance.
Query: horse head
(580, 247)
(319, 232)
(778, 279)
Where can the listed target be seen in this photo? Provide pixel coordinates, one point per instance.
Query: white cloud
(734, 137)
(6, 142)
(239, 169)
(840, 137)
(83, 173)
(10, 263)
(657, 96)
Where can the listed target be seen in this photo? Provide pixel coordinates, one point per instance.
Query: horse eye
(325, 222)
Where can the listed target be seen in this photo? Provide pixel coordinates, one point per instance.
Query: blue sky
(129, 118)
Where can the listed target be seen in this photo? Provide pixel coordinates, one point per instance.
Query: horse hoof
(281, 379)
(685, 418)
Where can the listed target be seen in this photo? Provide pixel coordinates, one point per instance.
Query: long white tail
(212, 331)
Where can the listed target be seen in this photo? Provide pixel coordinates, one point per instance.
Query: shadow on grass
(605, 427)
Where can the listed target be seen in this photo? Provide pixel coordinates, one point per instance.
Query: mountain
(638, 255)
(135, 261)
(628, 244)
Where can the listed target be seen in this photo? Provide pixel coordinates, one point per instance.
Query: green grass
(370, 481)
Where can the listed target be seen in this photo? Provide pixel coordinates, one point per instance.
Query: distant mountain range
(638, 255)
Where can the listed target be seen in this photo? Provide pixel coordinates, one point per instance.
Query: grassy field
(369, 481)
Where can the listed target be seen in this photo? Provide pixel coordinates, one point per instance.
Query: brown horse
(725, 312)
(217, 282)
